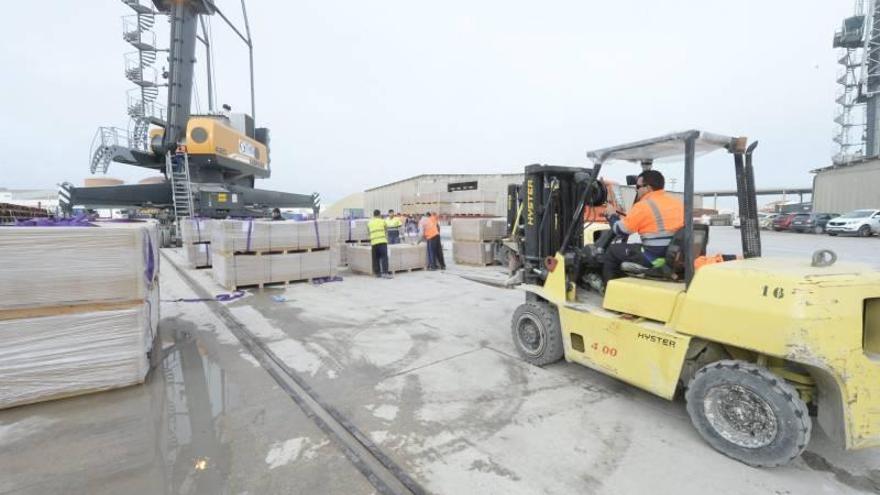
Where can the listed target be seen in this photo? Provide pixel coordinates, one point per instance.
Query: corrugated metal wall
(388, 197)
(844, 189)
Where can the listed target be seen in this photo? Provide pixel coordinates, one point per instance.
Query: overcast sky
(358, 94)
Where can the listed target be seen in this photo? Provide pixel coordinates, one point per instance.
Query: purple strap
(250, 230)
(81, 220)
(198, 229)
(317, 234)
(225, 297)
(149, 262)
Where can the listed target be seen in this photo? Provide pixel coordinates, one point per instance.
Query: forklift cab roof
(667, 147)
(688, 145)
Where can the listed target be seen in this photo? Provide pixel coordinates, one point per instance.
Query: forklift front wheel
(536, 333)
(746, 412)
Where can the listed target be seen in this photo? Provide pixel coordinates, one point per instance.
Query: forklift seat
(673, 269)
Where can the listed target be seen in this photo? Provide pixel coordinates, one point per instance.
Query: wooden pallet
(279, 284)
(267, 252)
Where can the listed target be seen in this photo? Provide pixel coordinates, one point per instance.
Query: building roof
(440, 176)
(852, 163)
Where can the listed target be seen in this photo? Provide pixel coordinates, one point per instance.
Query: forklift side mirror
(632, 180)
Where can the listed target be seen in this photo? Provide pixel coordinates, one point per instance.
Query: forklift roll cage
(690, 144)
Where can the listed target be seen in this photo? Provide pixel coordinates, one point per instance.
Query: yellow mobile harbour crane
(210, 162)
(755, 345)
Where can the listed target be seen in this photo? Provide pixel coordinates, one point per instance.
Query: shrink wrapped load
(400, 257)
(57, 266)
(197, 255)
(79, 309)
(196, 230)
(240, 236)
(479, 229)
(472, 253)
(238, 270)
(353, 230)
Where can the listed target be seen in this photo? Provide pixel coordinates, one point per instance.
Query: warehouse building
(493, 189)
(846, 187)
(398, 196)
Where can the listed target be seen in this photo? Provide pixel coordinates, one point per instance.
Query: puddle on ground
(163, 437)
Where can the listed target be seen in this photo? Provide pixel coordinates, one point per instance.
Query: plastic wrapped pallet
(400, 257)
(234, 236)
(353, 230)
(472, 253)
(238, 270)
(60, 266)
(196, 230)
(49, 357)
(478, 229)
(198, 255)
(82, 314)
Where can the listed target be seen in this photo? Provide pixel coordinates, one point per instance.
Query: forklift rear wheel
(536, 333)
(749, 414)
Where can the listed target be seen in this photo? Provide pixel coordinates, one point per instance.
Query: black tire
(818, 229)
(778, 424)
(864, 231)
(832, 234)
(536, 333)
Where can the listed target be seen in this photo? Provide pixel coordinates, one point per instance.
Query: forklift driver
(655, 217)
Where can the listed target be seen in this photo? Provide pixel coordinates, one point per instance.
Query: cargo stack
(401, 258)
(79, 309)
(473, 239)
(455, 203)
(351, 233)
(196, 234)
(259, 252)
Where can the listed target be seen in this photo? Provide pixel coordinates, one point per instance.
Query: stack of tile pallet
(401, 257)
(351, 233)
(472, 239)
(259, 252)
(79, 309)
(196, 234)
(455, 203)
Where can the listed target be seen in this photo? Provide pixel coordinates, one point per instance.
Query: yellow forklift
(758, 347)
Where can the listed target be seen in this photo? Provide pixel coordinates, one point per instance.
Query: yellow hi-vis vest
(393, 222)
(376, 227)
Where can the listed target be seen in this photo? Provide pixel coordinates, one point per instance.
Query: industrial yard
(465, 248)
(441, 393)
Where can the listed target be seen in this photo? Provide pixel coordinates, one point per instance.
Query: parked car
(767, 221)
(762, 221)
(783, 222)
(811, 222)
(862, 223)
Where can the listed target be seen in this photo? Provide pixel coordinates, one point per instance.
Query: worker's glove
(612, 219)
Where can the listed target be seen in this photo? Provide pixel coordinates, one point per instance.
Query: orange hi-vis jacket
(432, 227)
(655, 218)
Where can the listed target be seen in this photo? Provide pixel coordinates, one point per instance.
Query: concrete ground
(424, 366)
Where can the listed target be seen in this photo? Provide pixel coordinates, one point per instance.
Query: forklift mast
(554, 199)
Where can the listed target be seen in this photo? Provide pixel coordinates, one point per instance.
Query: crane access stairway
(177, 168)
(116, 144)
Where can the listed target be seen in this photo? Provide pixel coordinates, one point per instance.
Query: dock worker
(655, 217)
(393, 224)
(430, 226)
(378, 245)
